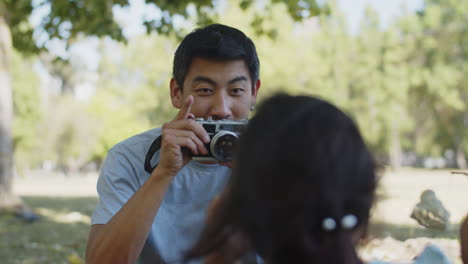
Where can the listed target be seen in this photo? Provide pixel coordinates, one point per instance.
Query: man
(157, 217)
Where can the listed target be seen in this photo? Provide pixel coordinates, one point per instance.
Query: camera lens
(223, 145)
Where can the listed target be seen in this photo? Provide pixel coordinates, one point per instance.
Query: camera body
(224, 138)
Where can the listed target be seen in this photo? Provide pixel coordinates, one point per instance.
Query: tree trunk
(395, 146)
(7, 199)
(461, 159)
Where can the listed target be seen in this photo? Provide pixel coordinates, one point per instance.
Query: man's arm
(122, 238)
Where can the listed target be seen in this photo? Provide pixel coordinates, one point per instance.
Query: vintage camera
(224, 137)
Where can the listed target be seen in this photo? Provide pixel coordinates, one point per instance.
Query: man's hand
(180, 139)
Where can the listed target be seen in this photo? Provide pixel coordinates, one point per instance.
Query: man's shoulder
(137, 143)
(127, 157)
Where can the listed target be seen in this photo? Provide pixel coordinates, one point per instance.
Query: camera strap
(155, 146)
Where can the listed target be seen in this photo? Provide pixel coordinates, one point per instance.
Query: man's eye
(237, 91)
(204, 91)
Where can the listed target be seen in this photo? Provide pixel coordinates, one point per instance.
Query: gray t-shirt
(182, 213)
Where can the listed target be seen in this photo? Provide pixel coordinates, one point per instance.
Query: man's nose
(221, 108)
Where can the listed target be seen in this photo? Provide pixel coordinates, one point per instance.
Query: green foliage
(438, 40)
(17, 14)
(26, 108)
(67, 134)
(144, 86)
(60, 134)
(406, 85)
(115, 119)
(69, 19)
(133, 94)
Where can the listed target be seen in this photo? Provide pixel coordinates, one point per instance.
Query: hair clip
(349, 221)
(328, 224)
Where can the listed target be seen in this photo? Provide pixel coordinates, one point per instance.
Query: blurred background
(79, 76)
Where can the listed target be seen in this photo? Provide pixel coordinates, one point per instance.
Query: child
(302, 188)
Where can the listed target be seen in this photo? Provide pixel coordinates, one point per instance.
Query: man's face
(221, 89)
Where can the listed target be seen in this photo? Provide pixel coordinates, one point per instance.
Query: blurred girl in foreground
(302, 188)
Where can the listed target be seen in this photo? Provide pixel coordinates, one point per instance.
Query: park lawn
(66, 204)
(58, 237)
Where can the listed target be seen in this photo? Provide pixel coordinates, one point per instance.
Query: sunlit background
(398, 67)
(400, 74)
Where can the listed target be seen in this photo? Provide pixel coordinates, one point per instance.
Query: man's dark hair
(215, 42)
(301, 160)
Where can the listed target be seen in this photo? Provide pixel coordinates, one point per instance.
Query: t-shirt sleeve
(116, 185)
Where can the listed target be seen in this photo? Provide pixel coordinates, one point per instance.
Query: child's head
(302, 167)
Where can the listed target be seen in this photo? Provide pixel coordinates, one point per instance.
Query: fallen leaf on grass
(75, 259)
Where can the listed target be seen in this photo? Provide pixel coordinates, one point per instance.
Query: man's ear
(255, 89)
(176, 94)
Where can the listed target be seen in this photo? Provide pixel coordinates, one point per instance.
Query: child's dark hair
(300, 161)
(215, 42)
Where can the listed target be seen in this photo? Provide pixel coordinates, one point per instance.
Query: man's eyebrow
(204, 79)
(237, 79)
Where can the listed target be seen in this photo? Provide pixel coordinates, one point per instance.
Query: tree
(27, 110)
(438, 40)
(69, 19)
(379, 86)
(6, 108)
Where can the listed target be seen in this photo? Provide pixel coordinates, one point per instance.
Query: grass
(66, 204)
(59, 237)
(403, 232)
(400, 192)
